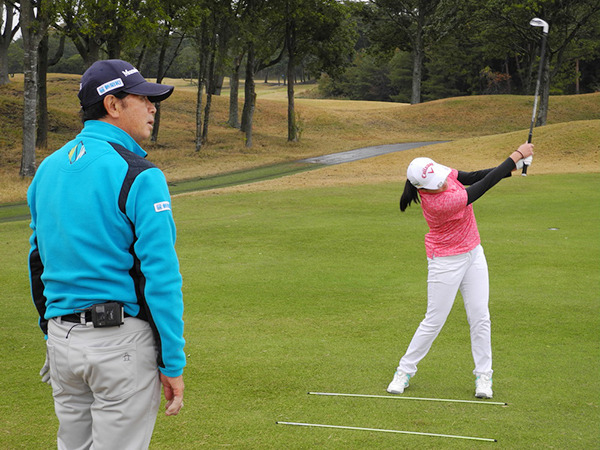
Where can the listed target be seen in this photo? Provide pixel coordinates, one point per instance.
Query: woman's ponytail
(410, 194)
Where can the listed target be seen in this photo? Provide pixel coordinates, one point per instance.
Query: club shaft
(385, 431)
(537, 86)
(406, 398)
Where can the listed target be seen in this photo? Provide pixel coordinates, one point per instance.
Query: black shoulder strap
(136, 165)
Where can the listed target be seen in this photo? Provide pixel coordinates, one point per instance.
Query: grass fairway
(321, 289)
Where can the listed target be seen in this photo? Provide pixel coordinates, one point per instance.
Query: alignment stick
(386, 431)
(408, 398)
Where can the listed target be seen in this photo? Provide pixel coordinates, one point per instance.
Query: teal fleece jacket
(103, 230)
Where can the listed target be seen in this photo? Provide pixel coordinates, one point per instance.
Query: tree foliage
(489, 48)
(385, 50)
(319, 28)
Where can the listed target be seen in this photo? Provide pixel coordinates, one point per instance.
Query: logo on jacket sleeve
(162, 206)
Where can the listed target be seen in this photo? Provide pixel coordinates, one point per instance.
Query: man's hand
(45, 372)
(173, 389)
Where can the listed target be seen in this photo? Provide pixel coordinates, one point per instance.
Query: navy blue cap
(114, 75)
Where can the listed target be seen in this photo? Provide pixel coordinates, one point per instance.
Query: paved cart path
(366, 152)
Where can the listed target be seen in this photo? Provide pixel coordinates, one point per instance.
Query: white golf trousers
(446, 275)
(105, 384)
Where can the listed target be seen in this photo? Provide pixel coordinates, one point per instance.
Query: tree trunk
(44, 62)
(141, 57)
(291, 45)
(417, 65)
(577, 76)
(210, 87)
(4, 67)
(156, 125)
(29, 110)
(163, 67)
(202, 40)
(199, 110)
(199, 116)
(529, 86)
(206, 117)
(250, 97)
(113, 47)
(88, 48)
(33, 30)
(544, 94)
(518, 72)
(5, 39)
(41, 140)
(292, 126)
(93, 54)
(508, 77)
(159, 77)
(234, 86)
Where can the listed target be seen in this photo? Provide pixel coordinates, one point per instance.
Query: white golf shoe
(399, 383)
(483, 386)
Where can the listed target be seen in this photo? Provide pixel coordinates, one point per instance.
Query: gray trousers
(105, 384)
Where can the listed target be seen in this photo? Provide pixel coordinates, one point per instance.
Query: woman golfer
(455, 259)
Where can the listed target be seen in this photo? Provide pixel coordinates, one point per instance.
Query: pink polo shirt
(452, 225)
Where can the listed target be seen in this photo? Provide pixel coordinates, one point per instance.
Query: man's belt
(110, 314)
(82, 317)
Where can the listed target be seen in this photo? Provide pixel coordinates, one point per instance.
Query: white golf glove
(524, 161)
(45, 372)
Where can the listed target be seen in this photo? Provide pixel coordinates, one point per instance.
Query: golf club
(395, 397)
(343, 427)
(536, 22)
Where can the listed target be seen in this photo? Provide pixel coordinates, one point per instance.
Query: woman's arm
(469, 178)
(476, 190)
(493, 176)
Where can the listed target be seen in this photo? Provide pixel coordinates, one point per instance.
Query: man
(103, 269)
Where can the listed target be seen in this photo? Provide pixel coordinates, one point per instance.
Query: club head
(536, 22)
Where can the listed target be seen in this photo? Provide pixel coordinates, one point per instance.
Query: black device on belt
(110, 314)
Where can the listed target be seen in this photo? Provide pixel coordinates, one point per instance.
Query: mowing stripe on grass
(395, 397)
(13, 212)
(20, 211)
(386, 431)
(241, 177)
